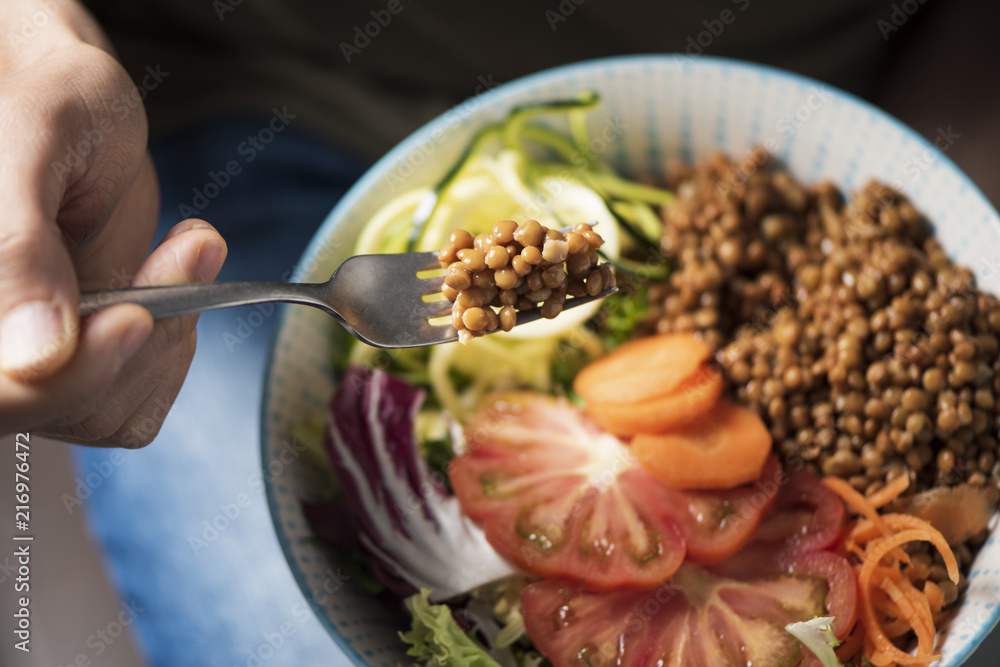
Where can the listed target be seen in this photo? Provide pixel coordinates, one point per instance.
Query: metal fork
(378, 299)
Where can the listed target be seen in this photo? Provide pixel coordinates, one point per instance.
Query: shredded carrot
(890, 491)
(914, 607)
(884, 651)
(864, 531)
(935, 596)
(890, 604)
(894, 626)
(854, 500)
(918, 571)
(851, 646)
(855, 549)
(888, 614)
(941, 616)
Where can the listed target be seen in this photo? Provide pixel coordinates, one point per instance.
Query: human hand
(81, 205)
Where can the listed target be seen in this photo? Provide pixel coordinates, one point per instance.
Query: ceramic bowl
(654, 108)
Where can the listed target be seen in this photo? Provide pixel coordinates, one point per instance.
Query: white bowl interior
(654, 108)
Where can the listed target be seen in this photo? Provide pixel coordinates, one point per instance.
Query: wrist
(32, 29)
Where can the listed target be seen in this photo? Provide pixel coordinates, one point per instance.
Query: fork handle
(174, 300)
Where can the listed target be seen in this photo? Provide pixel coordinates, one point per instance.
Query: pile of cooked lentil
(517, 267)
(843, 323)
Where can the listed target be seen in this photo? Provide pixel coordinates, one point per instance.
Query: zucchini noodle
(518, 168)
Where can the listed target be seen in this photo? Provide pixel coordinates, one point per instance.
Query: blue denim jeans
(183, 523)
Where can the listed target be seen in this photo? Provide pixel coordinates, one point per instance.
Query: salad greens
(625, 310)
(394, 422)
(817, 636)
(496, 363)
(517, 168)
(437, 639)
(390, 440)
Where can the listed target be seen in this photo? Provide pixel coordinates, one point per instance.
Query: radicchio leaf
(406, 521)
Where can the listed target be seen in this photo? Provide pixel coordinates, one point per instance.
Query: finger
(136, 426)
(111, 258)
(38, 290)
(38, 296)
(143, 425)
(190, 252)
(58, 193)
(106, 144)
(106, 342)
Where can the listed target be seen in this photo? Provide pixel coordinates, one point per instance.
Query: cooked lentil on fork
(517, 267)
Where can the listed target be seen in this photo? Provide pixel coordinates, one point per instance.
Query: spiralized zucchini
(518, 169)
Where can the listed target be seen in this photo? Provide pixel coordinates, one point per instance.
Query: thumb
(38, 294)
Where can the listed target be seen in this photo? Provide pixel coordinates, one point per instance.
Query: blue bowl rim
(373, 173)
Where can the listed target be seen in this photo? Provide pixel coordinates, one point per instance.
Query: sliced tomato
(842, 596)
(717, 524)
(559, 497)
(808, 516)
(696, 619)
(807, 520)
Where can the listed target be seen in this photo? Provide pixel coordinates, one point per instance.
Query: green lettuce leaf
(437, 640)
(817, 636)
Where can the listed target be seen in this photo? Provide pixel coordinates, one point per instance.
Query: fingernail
(133, 339)
(31, 335)
(177, 230)
(210, 258)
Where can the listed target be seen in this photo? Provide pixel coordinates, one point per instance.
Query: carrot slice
(642, 369)
(692, 398)
(727, 447)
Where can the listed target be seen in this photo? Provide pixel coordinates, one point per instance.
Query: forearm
(32, 29)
